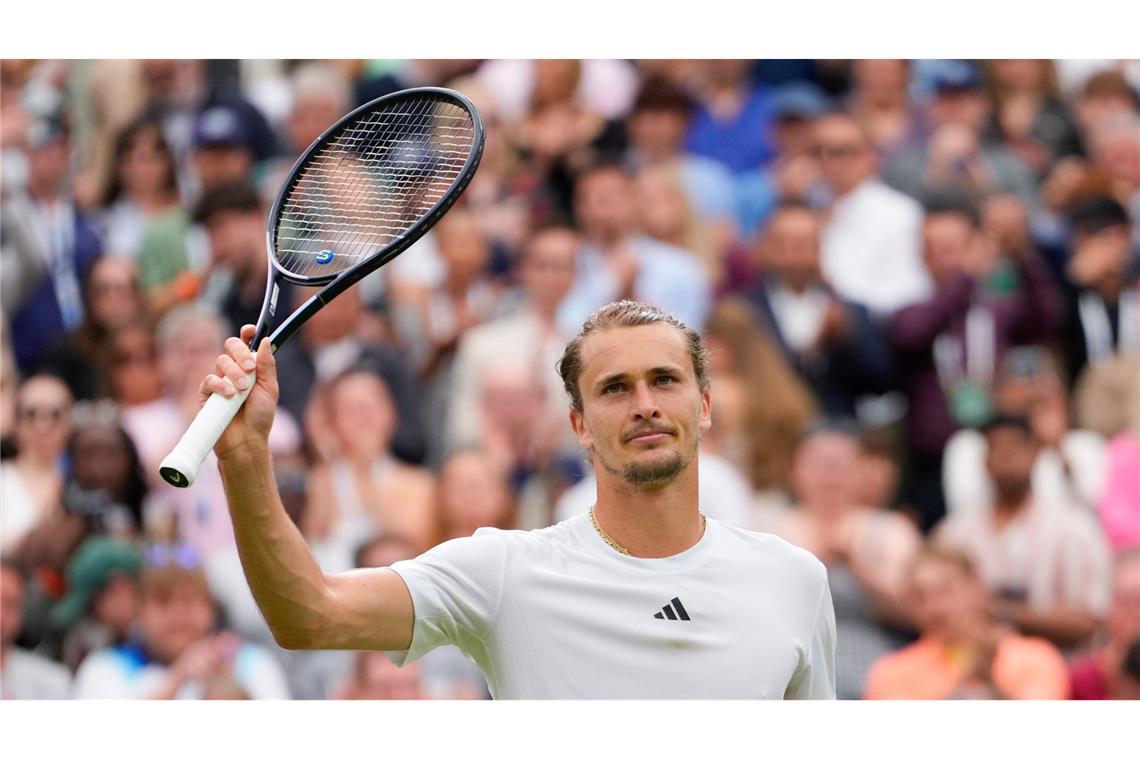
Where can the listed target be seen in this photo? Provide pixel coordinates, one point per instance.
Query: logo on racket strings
(324, 257)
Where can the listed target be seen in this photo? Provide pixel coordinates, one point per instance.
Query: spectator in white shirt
(871, 241)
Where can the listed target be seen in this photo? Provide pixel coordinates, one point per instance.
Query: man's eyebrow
(614, 377)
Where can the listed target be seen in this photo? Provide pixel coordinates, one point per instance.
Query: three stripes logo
(674, 610)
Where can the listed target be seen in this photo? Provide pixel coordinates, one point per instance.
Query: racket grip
(180, 468)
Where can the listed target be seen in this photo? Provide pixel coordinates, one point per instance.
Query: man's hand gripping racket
(368, 188)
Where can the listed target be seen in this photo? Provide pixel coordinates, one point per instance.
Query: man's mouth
(647, 436)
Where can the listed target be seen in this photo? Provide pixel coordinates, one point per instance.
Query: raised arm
(304, 607)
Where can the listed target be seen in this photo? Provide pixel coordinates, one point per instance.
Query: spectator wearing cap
(793, 175)
(48, 247)
(1106, 672)
(100, 608)
(871, 240)
(956, 156)
(182, 652)
(947, 345)
(962, 652)
(1071, 465)
(223, 152)
(832, 343)
(616, 262)
(1103, 289)
(1047, 565)
(23, 674)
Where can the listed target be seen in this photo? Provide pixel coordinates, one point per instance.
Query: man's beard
(658, 474)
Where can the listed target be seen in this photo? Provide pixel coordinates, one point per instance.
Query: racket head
(372, 184)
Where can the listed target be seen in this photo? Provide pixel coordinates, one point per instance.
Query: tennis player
(643, 597)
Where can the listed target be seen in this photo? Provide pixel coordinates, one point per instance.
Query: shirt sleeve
(456, 589)
(815, 676)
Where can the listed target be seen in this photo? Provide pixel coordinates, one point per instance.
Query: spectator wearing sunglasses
(31, 483)
(182, 652)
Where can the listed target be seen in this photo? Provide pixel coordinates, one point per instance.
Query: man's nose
(645, 406)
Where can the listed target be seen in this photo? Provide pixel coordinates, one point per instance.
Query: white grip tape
(180, 467)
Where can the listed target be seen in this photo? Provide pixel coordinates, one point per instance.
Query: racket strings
(371, 183)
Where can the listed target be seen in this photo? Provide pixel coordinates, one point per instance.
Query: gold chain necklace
(618, 547)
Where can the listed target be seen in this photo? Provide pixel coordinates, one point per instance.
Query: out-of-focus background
(920, 281)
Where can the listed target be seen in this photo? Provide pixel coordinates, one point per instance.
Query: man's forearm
(1065, 627)
(286, 581)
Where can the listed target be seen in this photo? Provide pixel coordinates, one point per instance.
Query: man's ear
(706, 411)
(578, 425)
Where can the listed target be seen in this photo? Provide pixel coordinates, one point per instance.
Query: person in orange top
(962, 652)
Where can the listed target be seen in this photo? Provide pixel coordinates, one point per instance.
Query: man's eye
(612, 388)
(665, 379)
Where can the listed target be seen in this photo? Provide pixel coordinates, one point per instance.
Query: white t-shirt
(556, 613)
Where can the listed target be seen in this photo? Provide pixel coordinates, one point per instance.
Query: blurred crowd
(920, 281)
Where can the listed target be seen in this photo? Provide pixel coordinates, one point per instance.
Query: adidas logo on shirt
(673, 611)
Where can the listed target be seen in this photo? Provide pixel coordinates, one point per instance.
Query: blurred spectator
(142, 187)
(23, 674)
(528, 340)
(101, 606)
(1070, 466)
(361, 489)
(333, 341)
(374, 676)
(107, 485)
(47, 247)
(657, 127)
(1115, 152)
(1105, 96)
(32, 482)
(880, 103)
(962, 653)
(181, 653)
(794, 174)
(431, 322)
(1119, 505)
(1046, 564)
(833, 343)
(866, 550)
(732, 123)
(871, 239)
(223, 150)
(131, 364)
(473, 493)
(1029, 117)
(606, 87)
(880, 475)
(756, 432)
(112, 301)
(189, 339)
(956, 156)
(234, 218)
(947, 346)
(1102, 674)
(616, 262)
(664, 213)
(1103, 307)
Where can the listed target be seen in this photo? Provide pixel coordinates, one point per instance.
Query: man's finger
(240, 353)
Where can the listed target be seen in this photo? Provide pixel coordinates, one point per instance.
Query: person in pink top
(1103, 674)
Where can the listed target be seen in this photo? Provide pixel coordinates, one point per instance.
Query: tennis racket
(368, 188)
